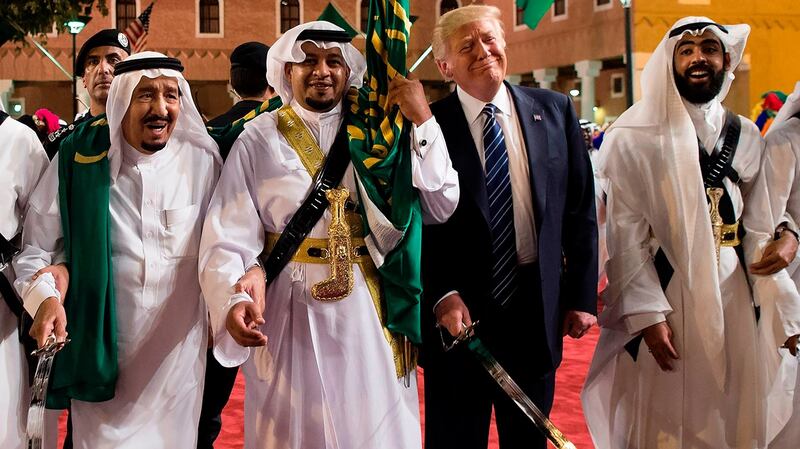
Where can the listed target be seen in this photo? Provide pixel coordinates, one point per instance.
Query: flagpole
(421, 58)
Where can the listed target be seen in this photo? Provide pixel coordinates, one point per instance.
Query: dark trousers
(218, 386)
(459, 394)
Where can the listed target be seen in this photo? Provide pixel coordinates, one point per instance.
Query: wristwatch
(784, 227)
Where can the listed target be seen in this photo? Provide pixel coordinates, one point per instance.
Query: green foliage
(37, 17)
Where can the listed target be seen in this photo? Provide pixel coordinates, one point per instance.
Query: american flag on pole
(137, 30)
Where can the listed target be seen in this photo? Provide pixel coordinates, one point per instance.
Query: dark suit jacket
(457, 254)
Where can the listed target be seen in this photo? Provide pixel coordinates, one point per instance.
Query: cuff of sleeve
(791, 328)
(442, 299)
(227, 351)
(424, 136)
(38, 291)
(637, 323)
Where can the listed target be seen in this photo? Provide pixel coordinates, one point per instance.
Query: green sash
(226, 135)
(86, 369)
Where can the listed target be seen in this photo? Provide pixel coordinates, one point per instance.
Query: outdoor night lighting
(75, 26)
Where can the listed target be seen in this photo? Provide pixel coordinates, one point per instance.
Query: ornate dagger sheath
(340, 251)
(715, 194)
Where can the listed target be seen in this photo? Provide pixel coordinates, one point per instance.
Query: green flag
(381, 154)
(332, 15)
(533, 11)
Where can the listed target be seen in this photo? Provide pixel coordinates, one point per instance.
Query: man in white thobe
(22, 162)
(781, 170)
(677, 362)
(323, 374)
(162, 167)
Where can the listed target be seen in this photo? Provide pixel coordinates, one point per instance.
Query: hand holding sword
(35, 426)
(468, 337)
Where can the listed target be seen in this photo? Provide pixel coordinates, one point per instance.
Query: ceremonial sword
(35, 427)
(509, 386)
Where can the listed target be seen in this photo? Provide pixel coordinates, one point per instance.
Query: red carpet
(567, 414)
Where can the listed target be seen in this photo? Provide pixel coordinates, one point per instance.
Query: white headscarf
(790, 108)
(686, 239)
(287, 49)
(190, 131)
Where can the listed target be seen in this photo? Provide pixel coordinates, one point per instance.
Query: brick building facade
(578, 46)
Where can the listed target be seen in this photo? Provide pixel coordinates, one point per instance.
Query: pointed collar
(473, 107)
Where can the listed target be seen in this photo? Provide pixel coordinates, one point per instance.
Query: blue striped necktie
(501, 210)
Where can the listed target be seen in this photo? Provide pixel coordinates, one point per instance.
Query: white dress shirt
(522, 199)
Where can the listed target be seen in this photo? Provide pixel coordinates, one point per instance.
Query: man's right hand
(452, 314)
(658, 338)
(50, 319)
(242, 323)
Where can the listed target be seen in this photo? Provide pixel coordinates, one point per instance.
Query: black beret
(252, 55)
(104, 38)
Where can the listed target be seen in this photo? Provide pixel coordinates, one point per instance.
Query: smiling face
(152, 114)
(319, 82)
(699, 65)
(99, 71)
(476, 58)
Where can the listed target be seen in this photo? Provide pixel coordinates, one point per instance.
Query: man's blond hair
(453, 20)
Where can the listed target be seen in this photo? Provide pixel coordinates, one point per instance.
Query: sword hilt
(466, 334)
(51, 346)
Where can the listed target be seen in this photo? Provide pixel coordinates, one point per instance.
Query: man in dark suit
(248, 81)
(519, 253)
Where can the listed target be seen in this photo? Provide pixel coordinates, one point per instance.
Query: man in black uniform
(249, 82)
(95, 65)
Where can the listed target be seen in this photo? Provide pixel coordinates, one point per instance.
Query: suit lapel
(534, 133)
(464, 155)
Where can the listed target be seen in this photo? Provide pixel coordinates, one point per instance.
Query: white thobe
(326, 378)
(157, 206)
(22, 162)
(781, 169)
(633, 404)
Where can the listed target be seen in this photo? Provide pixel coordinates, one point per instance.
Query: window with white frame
(126, 13)
(364, 11)
(617, 85)
(290, 14)
(560, 8)
(602, 5)
(447, 6)
(209, 17)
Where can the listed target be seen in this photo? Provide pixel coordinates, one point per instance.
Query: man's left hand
(409, 96)
(777, 255)
(577, 323)
(791, 344)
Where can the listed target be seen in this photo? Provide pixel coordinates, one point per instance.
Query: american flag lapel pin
(537, 118)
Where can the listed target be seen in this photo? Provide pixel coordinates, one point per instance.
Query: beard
(153, 147)
(156, 146)
(321, 105)
(702, 93)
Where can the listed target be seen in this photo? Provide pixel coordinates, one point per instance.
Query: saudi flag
(533, 11)
(381, 154)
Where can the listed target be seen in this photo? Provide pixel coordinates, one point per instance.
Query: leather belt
(315, 250)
